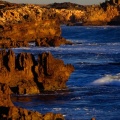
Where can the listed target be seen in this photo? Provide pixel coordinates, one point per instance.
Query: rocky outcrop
(22, 74)
(5, 96)
(26, 75)
(102, 14)
(52, 41)
(23, 23)
(10, 112)
(106, 13)
(68, 12)
(66, 16)
(15, 113)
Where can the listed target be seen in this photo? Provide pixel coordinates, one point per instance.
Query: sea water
(93, 89)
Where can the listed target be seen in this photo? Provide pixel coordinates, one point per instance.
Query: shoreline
(23, 23)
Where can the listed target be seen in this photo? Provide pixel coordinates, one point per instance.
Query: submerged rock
(26, 75)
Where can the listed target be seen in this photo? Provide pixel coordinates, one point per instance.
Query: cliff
(67, 12)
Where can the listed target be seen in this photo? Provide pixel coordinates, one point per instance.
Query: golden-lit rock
(26, 75)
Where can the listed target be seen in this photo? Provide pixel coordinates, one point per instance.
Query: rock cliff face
(25, 75)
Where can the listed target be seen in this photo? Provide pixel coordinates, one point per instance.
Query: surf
(108, 80)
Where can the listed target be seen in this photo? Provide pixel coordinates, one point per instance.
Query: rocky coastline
(21, 24)
(22, 74)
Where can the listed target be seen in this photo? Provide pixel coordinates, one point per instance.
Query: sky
(82, 2)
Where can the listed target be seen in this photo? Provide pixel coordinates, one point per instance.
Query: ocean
(93, 89)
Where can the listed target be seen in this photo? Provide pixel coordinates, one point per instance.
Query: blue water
(94, 86)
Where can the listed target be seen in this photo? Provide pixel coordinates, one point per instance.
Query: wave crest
(108, 80)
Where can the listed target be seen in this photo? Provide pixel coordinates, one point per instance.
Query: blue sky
(83, 2)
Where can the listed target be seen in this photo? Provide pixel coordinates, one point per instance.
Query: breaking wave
(108, 80)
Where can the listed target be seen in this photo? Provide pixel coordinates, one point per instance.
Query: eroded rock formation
(25, 75)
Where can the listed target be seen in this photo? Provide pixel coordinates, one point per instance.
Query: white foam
(76, 98)
(108, 80)
(57, 109)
